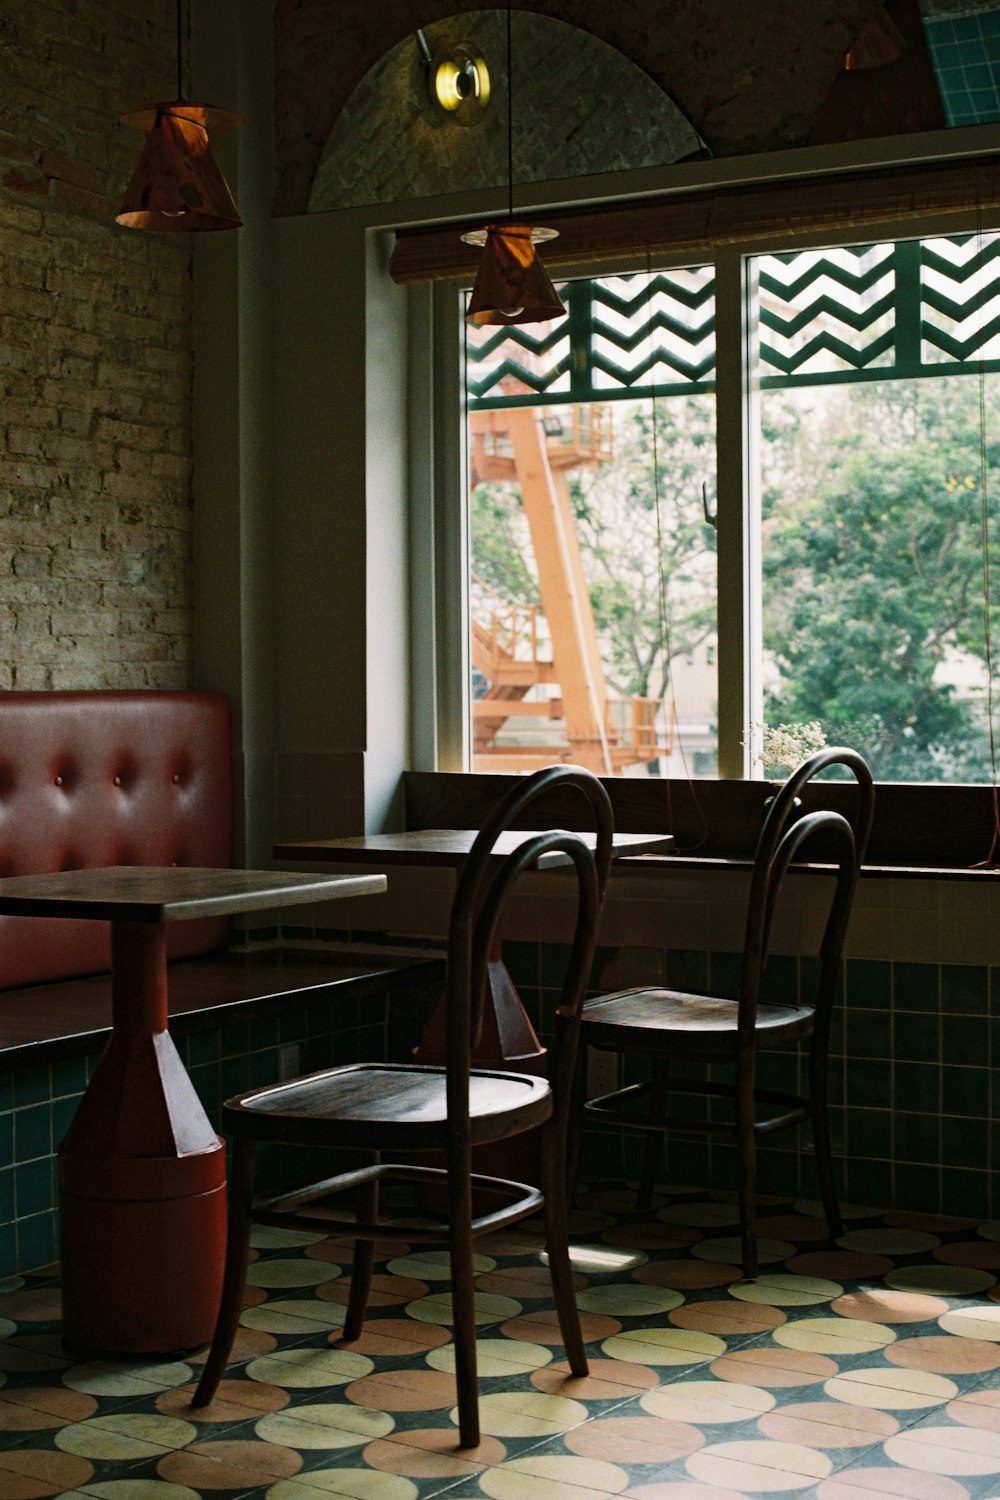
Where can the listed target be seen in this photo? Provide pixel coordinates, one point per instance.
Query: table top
(449, 846)
(174, 893)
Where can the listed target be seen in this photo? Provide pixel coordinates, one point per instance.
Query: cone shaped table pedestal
(142, 1172)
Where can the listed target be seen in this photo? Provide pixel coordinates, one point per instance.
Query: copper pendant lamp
(177, 185)
(512, 285)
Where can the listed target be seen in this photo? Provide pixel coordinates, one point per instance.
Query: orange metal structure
(602, 733)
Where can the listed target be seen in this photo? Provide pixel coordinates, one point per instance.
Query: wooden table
(449, 846)
(142, 1171)
(508, 1038)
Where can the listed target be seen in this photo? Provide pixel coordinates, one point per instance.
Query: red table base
(142, 1175)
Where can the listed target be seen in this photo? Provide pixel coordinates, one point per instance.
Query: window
(639, 606)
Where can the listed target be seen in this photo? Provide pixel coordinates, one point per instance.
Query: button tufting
(59, 781)
(175, 778)
(118, 781)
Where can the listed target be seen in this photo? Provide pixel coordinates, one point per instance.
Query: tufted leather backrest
(108, 778)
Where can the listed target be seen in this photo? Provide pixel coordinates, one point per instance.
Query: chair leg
(746, 1169)
(821, 1141)
(362, 1264)
(557, 1244)
(653, 1143)
(463, 1296)
(234, 1278)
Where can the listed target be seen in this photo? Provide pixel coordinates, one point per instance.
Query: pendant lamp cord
(510, 120)
(984, 530)
(668, 696)
(180, 52)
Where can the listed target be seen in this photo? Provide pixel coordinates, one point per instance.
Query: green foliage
(872, 558)
(641, 560)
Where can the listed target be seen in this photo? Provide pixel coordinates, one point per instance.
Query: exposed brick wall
(95, 360)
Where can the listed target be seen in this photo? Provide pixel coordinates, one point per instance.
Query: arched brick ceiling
(597, 112)
(749, 77)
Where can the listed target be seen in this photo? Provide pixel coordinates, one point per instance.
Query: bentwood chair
(408, 1108)
(671, 1026)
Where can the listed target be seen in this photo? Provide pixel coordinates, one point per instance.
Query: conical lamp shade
(880, 44)
(512, 285)
(177, 185)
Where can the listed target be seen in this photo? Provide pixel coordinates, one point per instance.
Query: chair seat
(707, 1024)
(394, 1106)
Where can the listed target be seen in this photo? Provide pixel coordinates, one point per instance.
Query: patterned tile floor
(866, 1369)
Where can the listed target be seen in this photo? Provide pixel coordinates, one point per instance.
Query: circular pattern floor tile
(635, 1440)
(799, 1228)
(434, 1265)
(31, 1474)
(663, 1346)
(680, 1489)
(232, 1465)
(37, 1408)
(628, 1299)
(786, 1289)
(774, 1369)
(322, 1425)
(834, 1336)
(763, 1467)
(521, 1414)
(125, 1378)
(125, 1436)
(286, 1272)
(724, 1318)
(889, 1484)
(609, 1380)
(828, 1424)
(973, 1323)
(883, 1305)
(234, 1401)
(982, 1253)
(386, 1290)
(708, 1401)
(946, 1450)
(938, 1280)
(702, 1215)
(523, 1282)
(591, 1260)
(304, 1369)
(688, 1275)
(556, 1477)
(884, 1240)
(270, 1237)
(542, 1327)
(976, 1409)
(381, 1337)
(32, 1305)
(432, 1453)
(320, 1484)
(404, 1390)
(729, 1250)
(944, 1355)
(652, 1236)
(298, 1318)
(891, 1389)
(496, 1357)
(437, 1308)
(840, 1265)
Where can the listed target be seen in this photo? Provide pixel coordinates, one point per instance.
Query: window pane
(879, 508)
(593, 569)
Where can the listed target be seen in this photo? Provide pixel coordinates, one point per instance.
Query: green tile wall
(914, 1081)
(38, 1103)
(914, 1087)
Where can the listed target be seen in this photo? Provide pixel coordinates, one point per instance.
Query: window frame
(441, 737)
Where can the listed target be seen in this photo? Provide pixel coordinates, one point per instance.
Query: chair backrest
(782, 838)
(483, 885)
